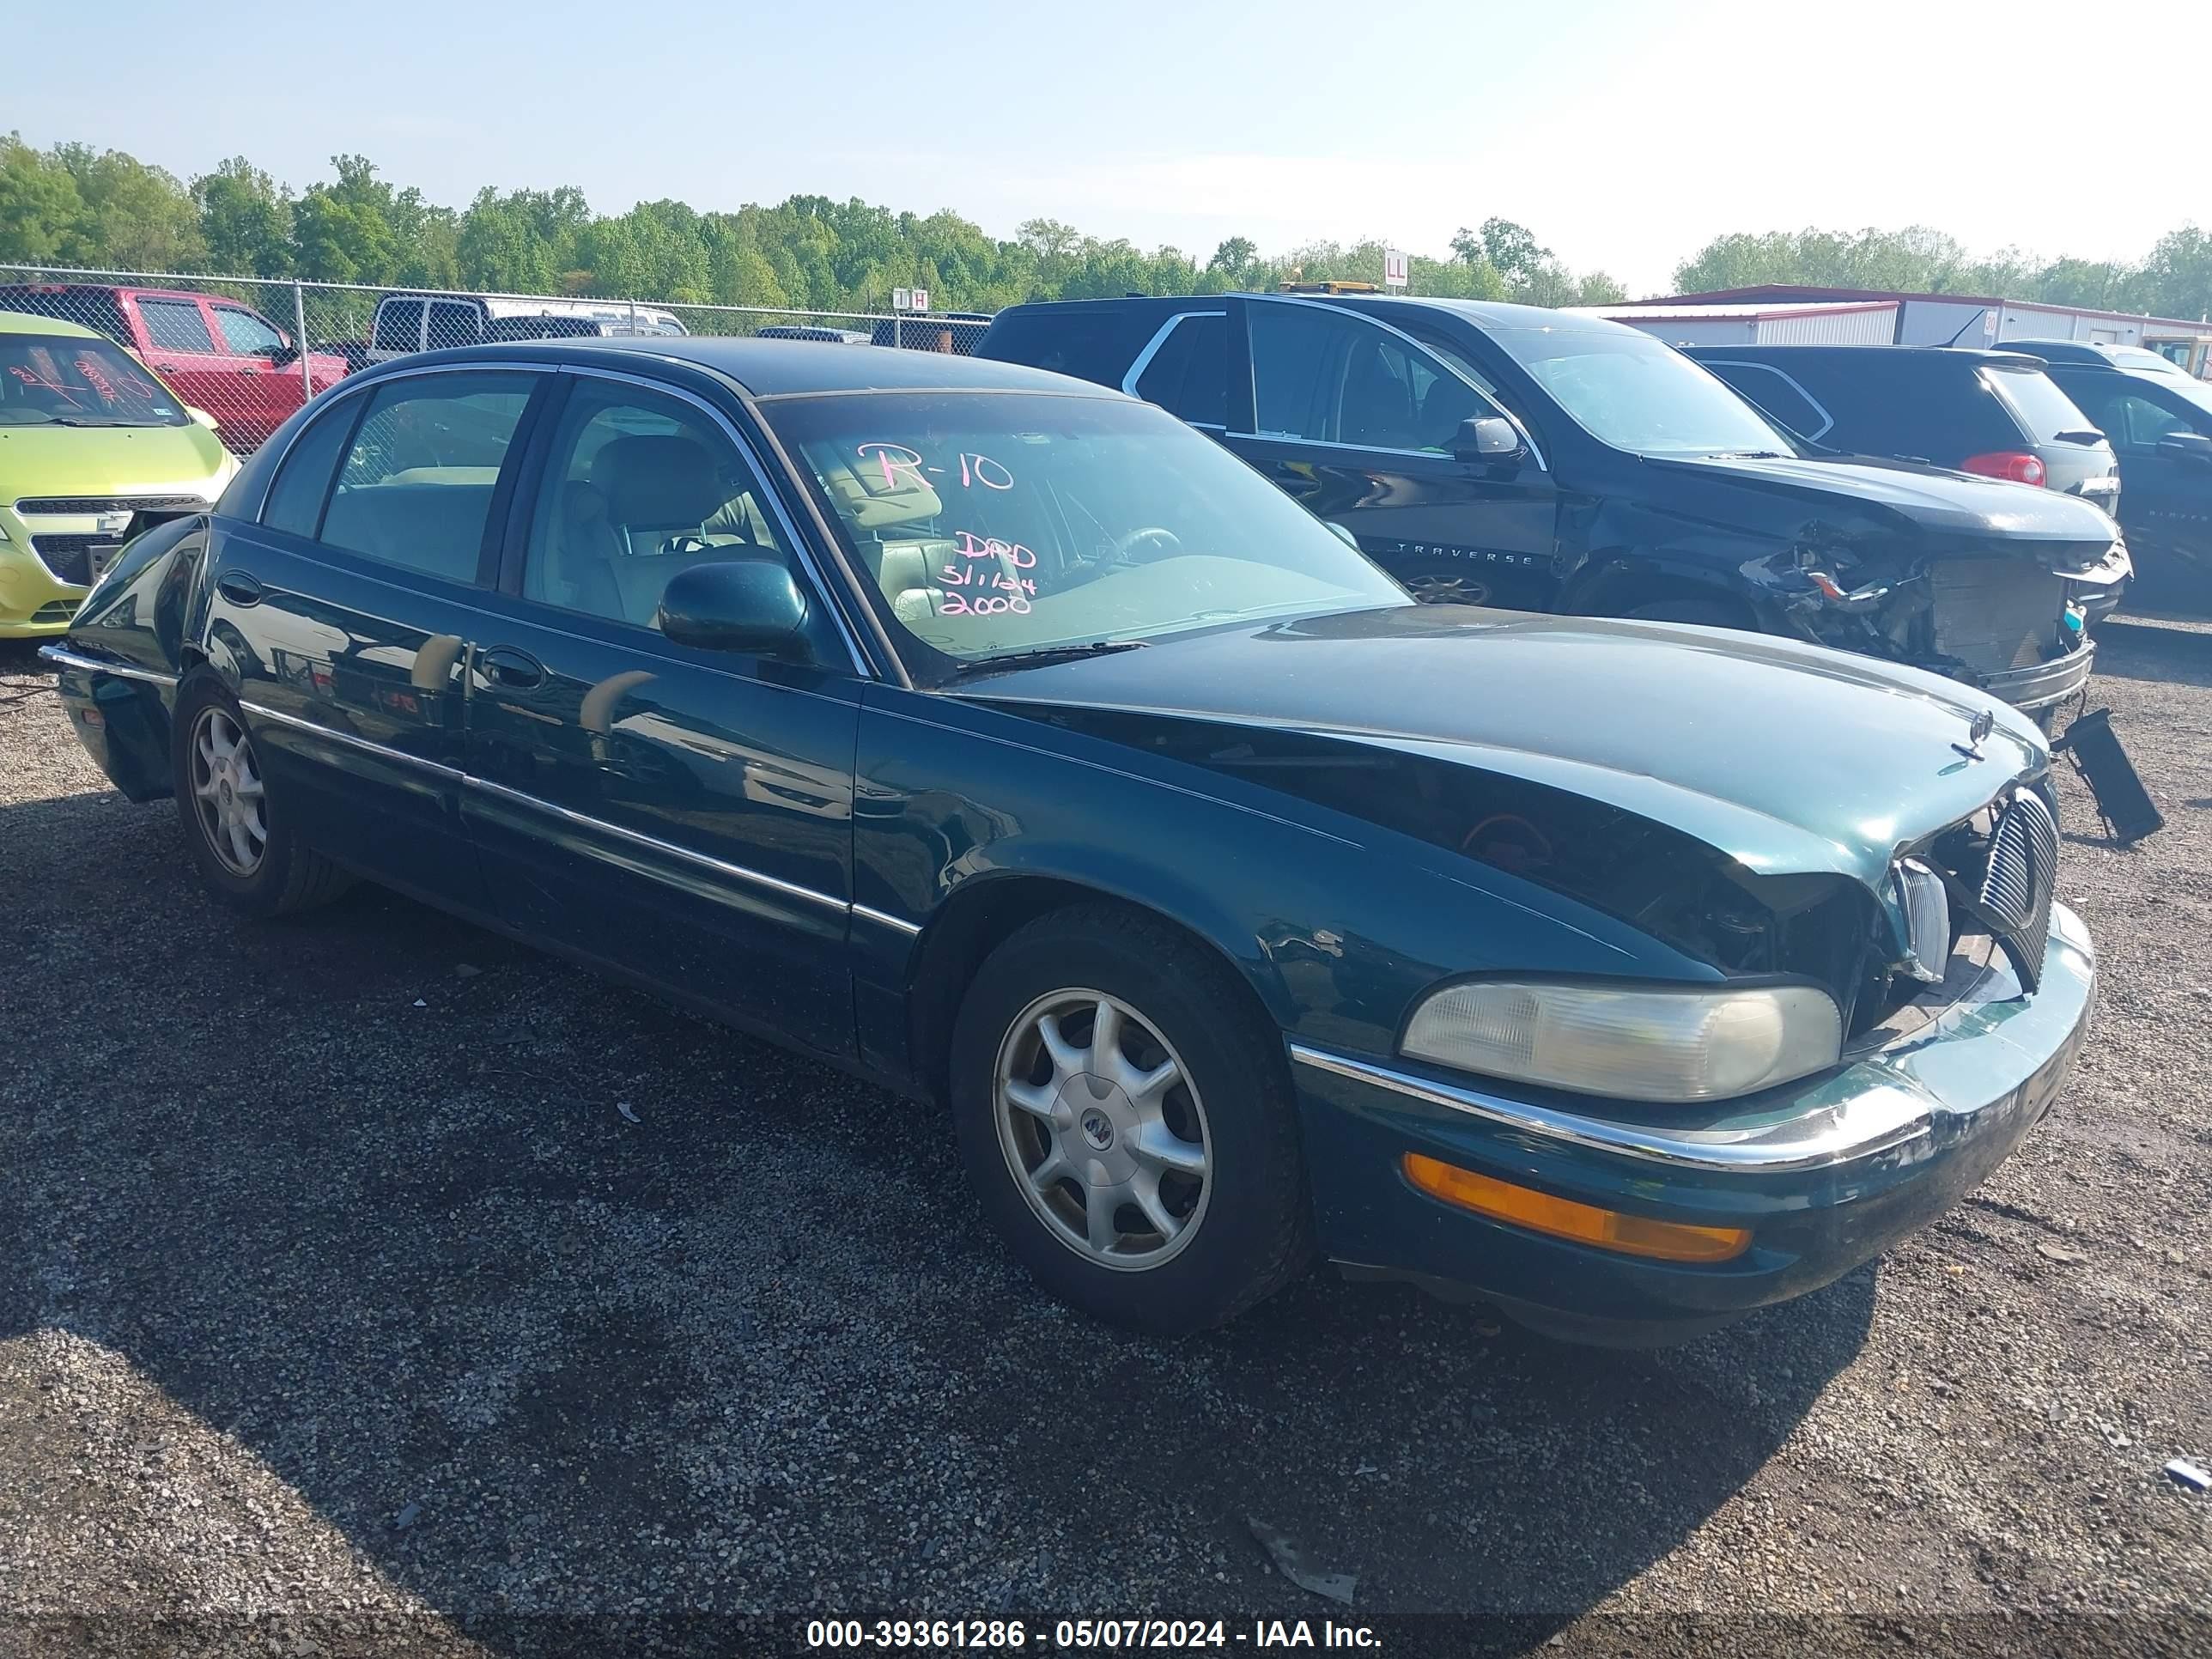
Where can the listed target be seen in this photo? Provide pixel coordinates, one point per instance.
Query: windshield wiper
(1045, 654)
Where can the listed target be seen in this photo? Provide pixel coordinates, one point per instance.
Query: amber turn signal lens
(1562, 1218)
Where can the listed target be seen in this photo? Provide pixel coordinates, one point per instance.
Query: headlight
(1681, 1044)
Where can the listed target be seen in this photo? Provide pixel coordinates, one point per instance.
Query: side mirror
(2186, 446)
(752, 605)
(1487, 438)
(284, 352)
(1342, 534)
(202, 417)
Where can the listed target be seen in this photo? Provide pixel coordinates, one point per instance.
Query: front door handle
(238, 587)
(516, 671)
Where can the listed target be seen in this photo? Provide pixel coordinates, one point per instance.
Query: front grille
(111, 504)
(70, 557)
(1996, 614)
(2018, 880)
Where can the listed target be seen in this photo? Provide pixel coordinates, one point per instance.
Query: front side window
(638, 488)
(1322, 376)
(175, 325)
(416, 486)
(2133, 417)
(399, 325)
(1636, 392)
(247, 335)
(56, 380)
(981, 523)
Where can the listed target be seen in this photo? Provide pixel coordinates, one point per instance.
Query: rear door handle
(517, 671)
(238, 587)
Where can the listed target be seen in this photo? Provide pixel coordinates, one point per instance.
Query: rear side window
(453, 325)
(175, 325)
(1093, 345)
(1779, 396)
(295, 499)
(416, 486)
(1188, 375)
(1939, 412)
(399, 325)
(2043, 411)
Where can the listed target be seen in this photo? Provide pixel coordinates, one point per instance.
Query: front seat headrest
(655, 479)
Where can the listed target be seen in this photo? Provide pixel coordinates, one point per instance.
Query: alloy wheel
(227, 790)
(1102, 1129)
(1443, 589)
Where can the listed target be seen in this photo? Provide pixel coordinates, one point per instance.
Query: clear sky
(1624, 134)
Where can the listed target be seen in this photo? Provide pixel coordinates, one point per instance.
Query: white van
(429, 322)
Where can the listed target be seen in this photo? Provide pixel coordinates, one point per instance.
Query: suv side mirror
(284, 352)
(2185, 447)
(752, 605)
(1487, 438)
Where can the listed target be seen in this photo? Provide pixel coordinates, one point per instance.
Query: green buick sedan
(996, 737)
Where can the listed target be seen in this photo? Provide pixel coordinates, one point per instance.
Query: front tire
(239, 840)
(1126, 1122)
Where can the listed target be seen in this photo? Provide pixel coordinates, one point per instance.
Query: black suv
(2159, 421)
(1994, 413)
(1546, 460)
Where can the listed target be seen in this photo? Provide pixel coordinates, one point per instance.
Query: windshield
(985, 523)
(59, 380)
(1639, 393)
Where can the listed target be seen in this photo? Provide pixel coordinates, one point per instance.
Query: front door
(2165, 499)
(1359, 422)
(347, 614)
(680, 813)
(268, 385)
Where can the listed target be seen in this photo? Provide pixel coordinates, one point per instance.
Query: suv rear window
(2034, 397)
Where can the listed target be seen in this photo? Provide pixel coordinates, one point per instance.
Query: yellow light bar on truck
(1562, 1218)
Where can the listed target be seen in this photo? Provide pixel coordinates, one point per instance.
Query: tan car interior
(908, 568)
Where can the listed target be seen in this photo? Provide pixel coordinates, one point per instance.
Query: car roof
(1874, 352)
(1484, 314)
(30, 322)
(779, 368)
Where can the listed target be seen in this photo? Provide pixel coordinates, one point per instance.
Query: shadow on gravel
(2143, 651)
(361, 1192)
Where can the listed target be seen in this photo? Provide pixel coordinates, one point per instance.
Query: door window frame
(216, 309)
(1827, 418)
(511, 547)
(1248, 404)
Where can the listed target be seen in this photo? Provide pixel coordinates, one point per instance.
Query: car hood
(125, 460)
(1790, 758)
(1955, 505)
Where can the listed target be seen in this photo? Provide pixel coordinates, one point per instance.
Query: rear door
(1357, 420)
(346, 615)
(180, 343)
(681, 814)
(265, 393)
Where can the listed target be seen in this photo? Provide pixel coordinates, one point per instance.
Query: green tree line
(72, 205)
(2174, 280)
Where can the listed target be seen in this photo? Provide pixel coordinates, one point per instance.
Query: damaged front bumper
(2040, 685)
(1825, 1173)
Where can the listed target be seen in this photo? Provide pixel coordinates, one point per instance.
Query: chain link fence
(248, 351)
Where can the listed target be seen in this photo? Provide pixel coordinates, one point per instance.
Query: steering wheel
(1165, 541)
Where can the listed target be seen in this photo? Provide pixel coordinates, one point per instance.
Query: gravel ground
(335, 1281)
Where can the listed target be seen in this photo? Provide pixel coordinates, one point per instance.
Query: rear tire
(239, 840)
(1152, 1179)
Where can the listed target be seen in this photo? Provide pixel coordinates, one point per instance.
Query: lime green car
(88, 436)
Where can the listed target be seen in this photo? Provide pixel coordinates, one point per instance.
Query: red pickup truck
(216, 352)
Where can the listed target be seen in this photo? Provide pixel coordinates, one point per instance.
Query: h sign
(921, 298)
